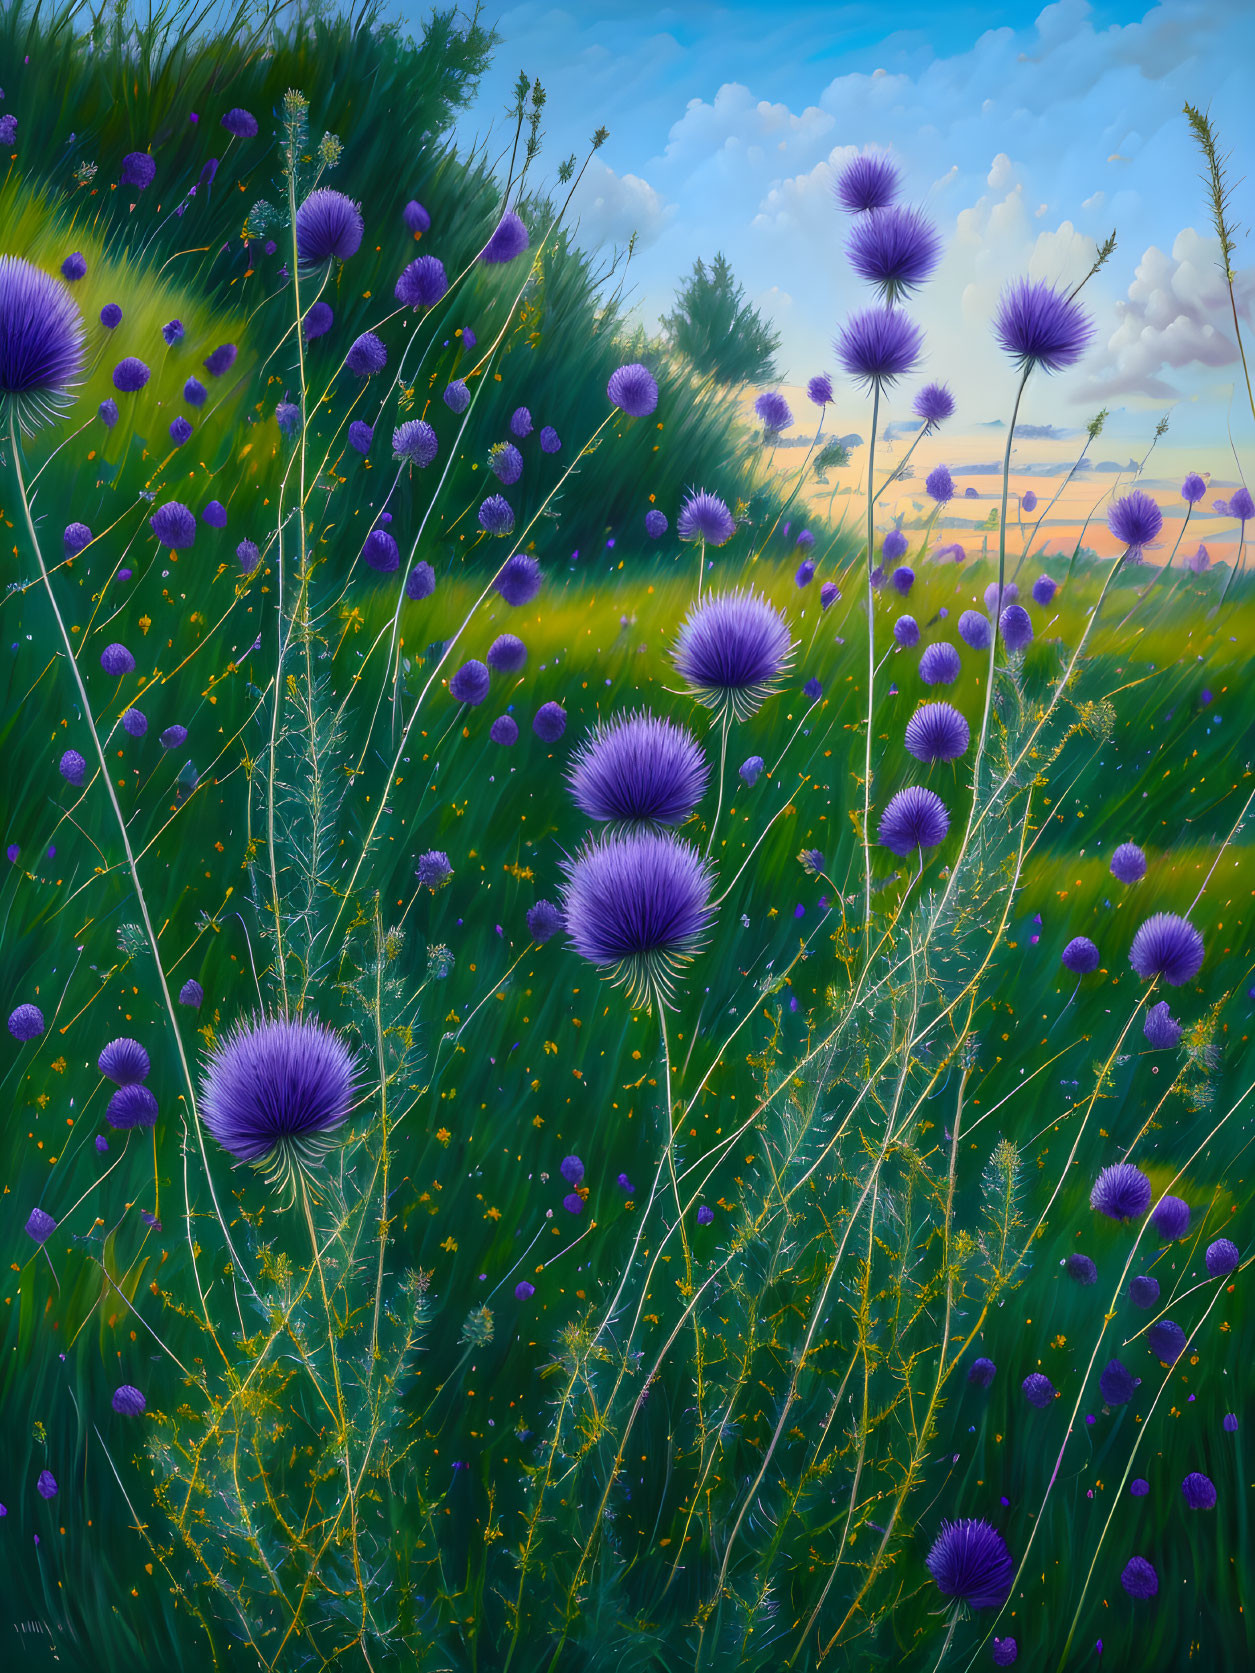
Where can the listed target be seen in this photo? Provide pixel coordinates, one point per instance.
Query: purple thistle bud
(504, 730)
(1241, 505)
(819, 389)
(914, 818)
(117, 660)
(469, 338)
(180, 431)
(423, 283)
(550, 440)
(8, 129)
(319, 319)
(172, 331)
(416, 441)
(1116, 1383)
(894, 249)
(366, 356)
(879, 345)
(1230, 1423)
(937, 732)
(26, 1022)
(1028, 500)
(1128, 863)
(523, 1290)
(174, 525)
(132, 1105)
(40, 1225)
(507, 654)
(248, 555)
(138, 169)
(705, 517)
(361, 435)
(220, 360)
(1169, 946)
(1139, 1579)
(1193, 488)
(969, 1561)
(496, 516)
(813, 689)
(1166, 1340)
(1010, 593)
(520, 422)
(111, 316)
(543, 921)
(518, 579)
(328, 224)
(571, 1169)
(1121, 1192)
(1004, 1652)
(74, 267)
(1161, 1029)
(750, 769)
(433, 870)
(215, 515)
(805, 540)
(191, 993)
(773, 412)
(416, 217)
(457, 397)
(731, 651)
(129, 1402)
(1080, 956)
(934, 404)
(903, 577)
(1135, 520)
(940, 664)
(638, 769)
(1044, 589)
(46, 1486)
(277, 1089)
(1039, 325)
(982, 1372)
(241, 123)
(174, 737)
(1016, 627)
(124, 1061)
(288, 418)
(829, 593)
(655, 524)
(1171, 1217)
(894, 547)
(509, 240)
(381, 552)
(135, 723)
(1199, 1492)
(906, 631)
(1222, 1257)
(1081, 1270)
(633, 390)
(805, 573)
(939, 485)
(108, 410)
(75, 538)
(73, 767)
(974, 630)
(637, 905)
(506, 463)
(420, 583)
(1144, 1290)
(195, 393)
(130, 375)
(550, 722)
(869, 181)
(705, 1214)
(470, 683)
(573, 1203)
(1038, 1390)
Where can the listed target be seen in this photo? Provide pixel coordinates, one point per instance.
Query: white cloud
(610, 207)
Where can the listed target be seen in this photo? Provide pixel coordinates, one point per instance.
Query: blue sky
(1028, 132)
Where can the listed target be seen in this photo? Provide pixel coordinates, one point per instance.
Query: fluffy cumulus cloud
(610, 208)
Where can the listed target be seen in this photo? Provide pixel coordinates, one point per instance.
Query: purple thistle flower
(894, 249)
(571, 1169)
(934, 404)
(903, 577)
(1121, 1192)
(361, 435)
(507, 654)
(433, 870)
(974, 630)
(1171, 1217)
(750, 769)
(1135, 520)
(8, 129)
(191, 993)
(423, 283)
(496, 516)
(1010, 593)
(130, 375)
(1144, 1290)
(470, 683)
(117, 660)
(241, 123)
(509, 240)
(518, 579)
(75, 538)
(1169, 946)
(550, 440)
(277, 1090)
(328, 224)
(1139, 1579)
(937, 732)
(1044, 589)
(655, 524)
(829, 593)
(1241, 505)
(638, 769)
(319, 319)
(523, 1290)
(174, 525)
(1041, 326)
(135, 723)
(1116, 1384)
(195, 393)
(416, 217)
(124, 1061)
(1193, 488)
(1230, 1423)
(969, 1561)
(420, 583)
(869, 181)
(111, 316)
(1016, 627)
(731, 651)
(457, 397)
(132, 1105)
(705, 1214)
(705, 517)
(1161, 1029)
(819, 389)
(73, 767)
(128, 1401)
(26, 1023)
(1198, 561)
(982, 1372)
(221, 359)
(415, 440)
(172, 331)
(520, 422)
(215, 515)
(506, 463)
(894, 546)
(1080, 956)
(633, 390)
(180, 431)
(138, 169)
(366, 356)
(108, 410)
(1081, 1269)
(1005, 1652)
(543, 921)
(1038, 1389)
(914, 818)
(940, 664)
(637, 905)
(773, 412)
(381, 552)
(805, 573)
(573, 1203)
(248, 555)
(1128, 863)
(46, 1486)
(550, 722)
(879, 345)
(40, 1225)
(1199, 1492)
(1028, 500)
(939, 485)
(74, 267)
(813, 689)
(1222, 1257)
(1166, 1340)
(504, 730)
(906, 631)
(288, 418)
(805, 540)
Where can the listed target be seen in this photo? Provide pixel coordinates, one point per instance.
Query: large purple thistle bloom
(639, 769)
(879, 345)
(914, 818)
(415, 440)
(1080, 956)
(174, 525)
(1168, 946)
(970, 1561)
(1040, 325)
(328, 224)
(1135, 520)
(277, 1090)
(41, 343)
(638, 906)
(731, 650)
(937, 732)
(894, 249)
(940, 664)
(705, 517)
(1121, 1192)
(423, 283)
(509, 240)
(869, 181)
(633, 390)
